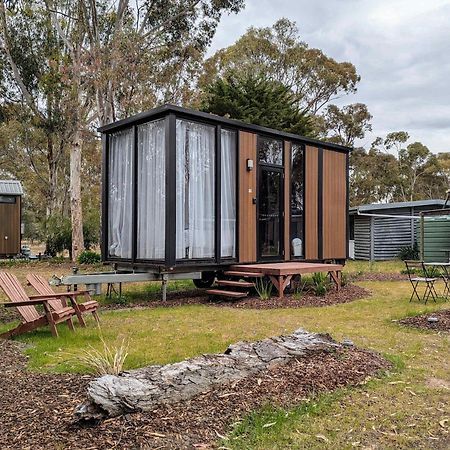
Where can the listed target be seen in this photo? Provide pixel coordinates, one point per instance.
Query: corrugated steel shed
(10, 187)
(381, 238)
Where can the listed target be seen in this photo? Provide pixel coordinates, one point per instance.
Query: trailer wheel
(206, 281)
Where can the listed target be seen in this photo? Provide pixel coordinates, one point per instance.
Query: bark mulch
(348, 293)
(443, 323)
(37, 409)
(379, 276)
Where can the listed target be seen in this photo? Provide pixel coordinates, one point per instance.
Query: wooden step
(237, 273)
(223, 293)
(244, 284)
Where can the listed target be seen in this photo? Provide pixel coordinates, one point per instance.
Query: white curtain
(228, 194)
(120, 198)
(151, 191)
(195, 190)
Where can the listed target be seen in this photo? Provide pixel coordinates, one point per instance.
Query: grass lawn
(408, 409)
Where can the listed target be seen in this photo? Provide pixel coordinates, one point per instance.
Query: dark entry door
(270, 213)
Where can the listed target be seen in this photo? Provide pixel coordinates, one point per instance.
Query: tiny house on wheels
(10, 217)
(186, 191)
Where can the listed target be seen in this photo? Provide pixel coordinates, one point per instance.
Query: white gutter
(387, 216)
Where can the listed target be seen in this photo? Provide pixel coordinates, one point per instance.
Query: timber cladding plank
(334, 205)
(287, 201)
(311, 237)
(10, 228)
(247, 191)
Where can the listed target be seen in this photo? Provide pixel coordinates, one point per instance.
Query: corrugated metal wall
(381, 238)
(436, 239)
(391, 234)
(362, 237)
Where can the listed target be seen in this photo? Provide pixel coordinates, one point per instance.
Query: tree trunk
(75, 195)
(52, 178)
(144, 389)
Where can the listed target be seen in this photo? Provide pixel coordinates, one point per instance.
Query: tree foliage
(394, 171)
(279, 54)
(257, 100)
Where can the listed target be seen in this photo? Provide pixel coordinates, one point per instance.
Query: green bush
(57, 233)
(321, 284)
(408, 252)
(263, 288)
(89, 257)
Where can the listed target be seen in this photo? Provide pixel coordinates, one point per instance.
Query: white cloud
(401, 48)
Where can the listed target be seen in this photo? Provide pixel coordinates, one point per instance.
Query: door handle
(254, 200)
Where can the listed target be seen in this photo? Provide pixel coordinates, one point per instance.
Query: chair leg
(70, 324)
(415, 291)
(97, 319)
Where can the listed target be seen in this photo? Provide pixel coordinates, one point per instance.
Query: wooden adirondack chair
(31, 318)
(43, 288)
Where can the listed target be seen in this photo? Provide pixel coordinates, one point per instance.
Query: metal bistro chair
(412, 267)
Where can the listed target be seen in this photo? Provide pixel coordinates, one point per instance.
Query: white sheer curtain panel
(120, 193)
(151, 191)
(228, 194)
(195, 190)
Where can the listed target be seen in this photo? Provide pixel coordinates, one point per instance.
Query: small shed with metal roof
(10, 217)
(379, 231)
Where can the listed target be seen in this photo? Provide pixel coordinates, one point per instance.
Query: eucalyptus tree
(278, 53)
(113, 58)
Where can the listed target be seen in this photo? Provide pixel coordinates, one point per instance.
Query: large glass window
(228, 194)
(151, 201)
(120, 194)
(195, 190)
(270, 151)
(297, 188)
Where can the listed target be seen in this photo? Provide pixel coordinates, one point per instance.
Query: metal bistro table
(445, 275)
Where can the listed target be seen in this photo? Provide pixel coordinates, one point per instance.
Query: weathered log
(144, 389)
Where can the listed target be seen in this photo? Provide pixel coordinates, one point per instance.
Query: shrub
(89, 257)
(108, 361)
(408, 252)
(321, 284)
(263, 288)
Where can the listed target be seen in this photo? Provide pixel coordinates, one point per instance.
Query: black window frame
(303, 149)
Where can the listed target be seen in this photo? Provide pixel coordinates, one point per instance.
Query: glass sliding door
(151, 197)
(297, 189)
(195, 196)
(228, 194)
(120, 194)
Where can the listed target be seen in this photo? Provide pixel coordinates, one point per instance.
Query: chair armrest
(25, 302)
(75, 293)
(48, 296)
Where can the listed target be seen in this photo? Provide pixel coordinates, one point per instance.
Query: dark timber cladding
(189, 191)
(10, 217)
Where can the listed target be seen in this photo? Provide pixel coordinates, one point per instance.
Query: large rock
(143, 389)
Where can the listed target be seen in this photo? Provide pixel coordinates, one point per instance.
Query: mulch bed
(37, 409)
(348, 293)
(443, 323)
(379, 276)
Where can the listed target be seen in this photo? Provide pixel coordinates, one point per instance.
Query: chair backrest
(413, 266)
(16, 293)
(43, 288)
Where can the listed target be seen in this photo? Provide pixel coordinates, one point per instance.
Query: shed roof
(213, 118)
(397, 205)
(10, 187)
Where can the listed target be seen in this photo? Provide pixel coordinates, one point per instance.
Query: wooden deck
(281, 273)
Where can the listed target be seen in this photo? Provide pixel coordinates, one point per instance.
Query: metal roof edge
(167, 108)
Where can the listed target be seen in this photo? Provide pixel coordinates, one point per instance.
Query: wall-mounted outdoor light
(249, 165)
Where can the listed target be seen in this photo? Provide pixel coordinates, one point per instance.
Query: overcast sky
(401, 49)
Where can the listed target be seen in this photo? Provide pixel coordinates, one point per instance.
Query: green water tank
(436, 238)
